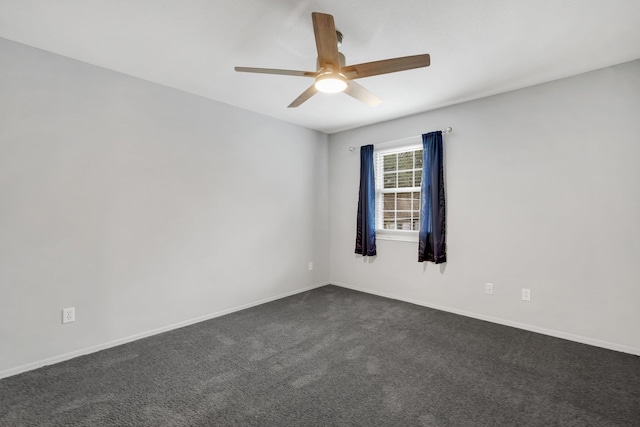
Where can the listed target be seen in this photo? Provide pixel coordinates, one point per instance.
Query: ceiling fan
(332, 75)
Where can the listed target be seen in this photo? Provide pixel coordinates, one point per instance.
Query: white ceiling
(477, 47)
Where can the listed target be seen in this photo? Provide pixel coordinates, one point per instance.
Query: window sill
(401, 236)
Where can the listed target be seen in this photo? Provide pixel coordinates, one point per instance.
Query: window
(398, 180)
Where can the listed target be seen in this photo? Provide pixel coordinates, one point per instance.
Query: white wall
(543, 189)
(146, 207)
(142, 207)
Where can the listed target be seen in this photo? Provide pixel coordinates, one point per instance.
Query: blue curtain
(432, 245)
(366, 233)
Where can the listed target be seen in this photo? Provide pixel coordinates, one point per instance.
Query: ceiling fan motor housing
(342, 63)
(330, 80)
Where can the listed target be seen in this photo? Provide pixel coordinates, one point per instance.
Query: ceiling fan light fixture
(331, 83)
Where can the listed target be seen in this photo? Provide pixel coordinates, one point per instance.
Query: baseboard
(558, 334)
(114, 343)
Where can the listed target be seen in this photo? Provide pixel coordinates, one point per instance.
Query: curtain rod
(447, 130)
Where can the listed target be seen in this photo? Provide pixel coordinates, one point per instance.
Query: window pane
(416, 201)
(418, 157)
(399, 171)
(389, 202)
(390, 180)
(404, 202)
(404, 221)
(405, 179)
(390, 162)
(405, 161)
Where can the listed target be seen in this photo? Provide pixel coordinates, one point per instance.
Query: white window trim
(397, 235)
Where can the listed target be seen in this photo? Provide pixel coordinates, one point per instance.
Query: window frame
(383, 233)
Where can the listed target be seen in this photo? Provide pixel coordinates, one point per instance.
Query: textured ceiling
(477, 48)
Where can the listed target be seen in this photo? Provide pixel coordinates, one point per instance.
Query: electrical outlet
(310, 265)
(526, 294)
(488, 288)
(68, 315)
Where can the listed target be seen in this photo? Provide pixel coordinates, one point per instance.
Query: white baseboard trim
(61, 358)
(558, 334)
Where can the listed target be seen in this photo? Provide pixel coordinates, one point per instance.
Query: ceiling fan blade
(326, 41)
(276, 71)
(303, 96)
(385, 66)
(361, 94)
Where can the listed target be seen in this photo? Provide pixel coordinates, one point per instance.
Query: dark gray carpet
(333, 357)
